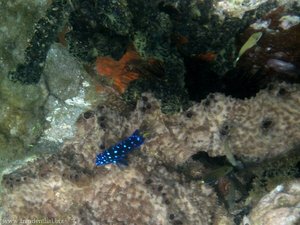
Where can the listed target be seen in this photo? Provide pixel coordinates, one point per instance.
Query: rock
(17, 20)
(71, 92)
(67, 186)
(280, 206)
(21, 119)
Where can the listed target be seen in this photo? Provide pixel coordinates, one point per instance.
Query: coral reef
(67, 186)
(181, 48)
(173, 32)
(254, 129)
(270, 173)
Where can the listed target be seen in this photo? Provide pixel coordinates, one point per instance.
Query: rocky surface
(280, 206)
(253, 129)
(71, 92)
(67, 185)
(17, 20)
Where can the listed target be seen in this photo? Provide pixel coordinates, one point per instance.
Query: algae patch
(21, 119)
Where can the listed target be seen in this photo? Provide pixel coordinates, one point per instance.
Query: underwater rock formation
(71, 92)
(17, 21)
(21, 119)
(68, 185)
(253, 129)
(45, 32)
(280, 206)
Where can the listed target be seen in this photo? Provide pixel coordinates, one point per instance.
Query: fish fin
(122, 163)
(235, 61)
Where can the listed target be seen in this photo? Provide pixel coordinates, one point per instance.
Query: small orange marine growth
(122, 71)
(207, 56)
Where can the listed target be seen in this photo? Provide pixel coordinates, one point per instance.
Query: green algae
(17, 19)
(21, 119)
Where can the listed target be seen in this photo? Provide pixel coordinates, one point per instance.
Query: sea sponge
(68, 185)
(76, 194)
(253, 129)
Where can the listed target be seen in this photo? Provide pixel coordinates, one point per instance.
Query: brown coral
(78, 193)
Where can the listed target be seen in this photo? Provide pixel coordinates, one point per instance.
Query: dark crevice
(200, 81)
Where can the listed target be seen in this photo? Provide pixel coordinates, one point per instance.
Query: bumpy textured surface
(17, 21)
(280, 206)
(69, 187)
(254, 129)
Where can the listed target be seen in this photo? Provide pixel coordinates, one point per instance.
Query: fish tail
(147, 130)
(235, 61)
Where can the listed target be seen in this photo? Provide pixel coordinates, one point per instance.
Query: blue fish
(117, 153)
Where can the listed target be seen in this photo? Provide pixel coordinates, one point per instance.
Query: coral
(280, 206)
(254, 129)
(272, 172)
(67, 186)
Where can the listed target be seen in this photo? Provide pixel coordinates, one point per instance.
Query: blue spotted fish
(117, 153)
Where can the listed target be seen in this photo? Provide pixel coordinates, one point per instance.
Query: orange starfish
(121, 72)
